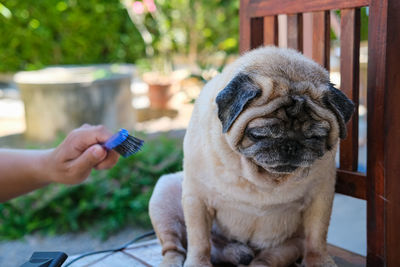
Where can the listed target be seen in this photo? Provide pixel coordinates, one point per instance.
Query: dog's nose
(296, 106)
(290, 147)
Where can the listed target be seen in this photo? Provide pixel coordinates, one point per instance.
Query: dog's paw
(318, 260)
(237, 253)
(261, 262)
(257, 264)
(172, 259)
(197, 263)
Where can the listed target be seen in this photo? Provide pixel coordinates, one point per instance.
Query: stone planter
(63, 98)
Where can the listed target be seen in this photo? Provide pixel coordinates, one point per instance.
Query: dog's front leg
(316, 223)
(198, 220)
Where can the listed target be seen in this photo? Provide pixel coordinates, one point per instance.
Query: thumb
(88, 159)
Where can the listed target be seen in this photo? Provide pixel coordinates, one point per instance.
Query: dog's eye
(255, 136)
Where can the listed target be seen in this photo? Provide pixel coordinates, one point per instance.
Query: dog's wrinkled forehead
(285, 65)
(269, 73)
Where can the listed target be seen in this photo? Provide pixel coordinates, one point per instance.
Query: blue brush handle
(116, 139)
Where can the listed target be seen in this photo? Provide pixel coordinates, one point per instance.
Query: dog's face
(288, 138)
(303, 116)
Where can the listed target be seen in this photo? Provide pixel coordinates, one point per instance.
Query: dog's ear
(341, 106)
(233, 99)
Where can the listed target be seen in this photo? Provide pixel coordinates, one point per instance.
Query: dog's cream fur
(283, 217)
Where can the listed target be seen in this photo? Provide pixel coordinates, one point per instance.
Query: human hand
(72, 161)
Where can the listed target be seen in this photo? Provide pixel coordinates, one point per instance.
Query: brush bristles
(130, 146)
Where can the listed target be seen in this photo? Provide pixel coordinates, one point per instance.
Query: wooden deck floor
(144, 254)
(148, 254)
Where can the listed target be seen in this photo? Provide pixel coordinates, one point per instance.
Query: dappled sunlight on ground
(12, 117)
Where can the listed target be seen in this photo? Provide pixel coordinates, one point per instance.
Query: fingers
(109, 161)
(83, 165)
(81, 139)
(80, 152)
(99, 134)
(85, 126)
(88, 135)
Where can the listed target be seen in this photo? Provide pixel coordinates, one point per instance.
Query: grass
(105, 203)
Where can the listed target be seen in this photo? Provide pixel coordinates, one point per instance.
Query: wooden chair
(380, 186)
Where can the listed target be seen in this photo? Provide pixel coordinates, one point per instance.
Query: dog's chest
(262, 220)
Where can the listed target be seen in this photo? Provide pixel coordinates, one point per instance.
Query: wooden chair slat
(351, 184)
(391, 131)
(256, 33)
(383, 187)
(307, 34)
(349, 73)
(244, 27)
(295, 31)
(321, 37)
(271, 30)
(375, 137)
(260, 8)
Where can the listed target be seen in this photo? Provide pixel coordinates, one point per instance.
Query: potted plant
(159, 90)
(158, 75)
(156, 70)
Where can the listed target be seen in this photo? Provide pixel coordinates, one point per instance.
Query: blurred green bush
(106, 202)
(195, 28)
(38, 33)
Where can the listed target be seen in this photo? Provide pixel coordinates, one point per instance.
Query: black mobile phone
(46, 259)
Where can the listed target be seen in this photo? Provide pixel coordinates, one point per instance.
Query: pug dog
(258, 178)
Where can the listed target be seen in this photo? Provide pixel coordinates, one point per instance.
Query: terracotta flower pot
(159, 95)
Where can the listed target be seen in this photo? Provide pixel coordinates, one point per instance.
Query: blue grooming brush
(125, 144)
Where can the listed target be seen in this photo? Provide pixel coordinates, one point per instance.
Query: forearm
(22, 171)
